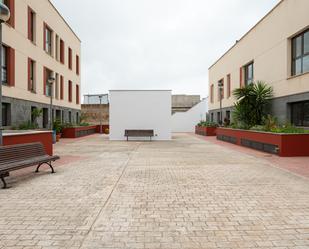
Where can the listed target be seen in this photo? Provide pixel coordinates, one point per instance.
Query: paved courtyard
(186, 193)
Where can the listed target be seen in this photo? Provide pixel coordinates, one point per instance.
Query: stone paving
(186, 193)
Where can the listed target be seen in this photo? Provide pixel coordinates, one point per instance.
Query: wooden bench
(19, 156)
(138, 133)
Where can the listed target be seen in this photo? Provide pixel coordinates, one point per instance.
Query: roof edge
(261, 20)
(54, 7)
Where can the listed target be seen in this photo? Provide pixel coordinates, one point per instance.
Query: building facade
(183, 103)
(276, 51)
(39, 45)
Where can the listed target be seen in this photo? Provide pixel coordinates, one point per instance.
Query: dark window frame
(5, 65)
(6, 114)
(302, 113)
(301, 56)
(48, 43)
(248, 80)
(32, 70)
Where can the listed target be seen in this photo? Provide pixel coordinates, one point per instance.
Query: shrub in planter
(206, 128)
(252, 104)
(207, 124)
(57, 126)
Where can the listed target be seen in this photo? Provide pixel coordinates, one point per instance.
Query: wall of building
(140, 110)
(17, 38)
(268, 44)
(93, 99)
(186, 121)
(182, 103)
(21, 112)
(95, 113)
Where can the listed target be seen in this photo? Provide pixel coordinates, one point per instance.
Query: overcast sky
(156, 44)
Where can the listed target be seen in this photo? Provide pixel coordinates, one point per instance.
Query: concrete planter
(24, 137)
(205, 131)
(76, 132)
(284, 145)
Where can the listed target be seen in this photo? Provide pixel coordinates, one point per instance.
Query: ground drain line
(111, 193)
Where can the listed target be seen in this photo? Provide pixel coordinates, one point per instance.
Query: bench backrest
(18, 152)
(137, 133)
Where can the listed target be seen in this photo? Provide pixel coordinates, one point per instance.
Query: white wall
(186, 121)
(140, 110)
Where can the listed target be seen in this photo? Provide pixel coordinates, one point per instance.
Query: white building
(186, 121)
(141, 110)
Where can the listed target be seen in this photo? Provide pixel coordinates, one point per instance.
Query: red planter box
(44, 137)
(205, 131)
(76, 132)
(104, 127)
(284, 145)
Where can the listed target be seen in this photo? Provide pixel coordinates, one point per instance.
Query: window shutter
(61, 87)
(77, 94)
(241, 77)
(62, 51)
(44, 80)
(29, 74)
(77, 64)
(44, 36)
(11, 6)
(29, 25)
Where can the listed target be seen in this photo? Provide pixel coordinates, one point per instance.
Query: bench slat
(14, 157)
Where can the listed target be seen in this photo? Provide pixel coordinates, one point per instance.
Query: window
(70, 117)
(220, 90)
(31, 25)
(228, 115)
(77, 94)
(4, 65)
(212, 93)
(47, 39)
(33, 117)
(212, 117)
(57, 86)
(70, 58)
(57, 48)
(77, 118)
(62, 51)
(300, 53)
(61, 87)
(70, 91)
(77, 64)
(62, 117)
(249, 73)
(300, 113)
(218, 117)
(8, 66)
(31, 75)
(47, 87)
(6, 114)
(228, 85)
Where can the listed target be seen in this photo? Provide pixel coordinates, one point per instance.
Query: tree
(252, 104)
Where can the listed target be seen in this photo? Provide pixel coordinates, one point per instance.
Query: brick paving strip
(186, 193)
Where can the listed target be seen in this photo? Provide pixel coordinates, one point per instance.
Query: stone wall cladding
(280, 107)
(21, 111)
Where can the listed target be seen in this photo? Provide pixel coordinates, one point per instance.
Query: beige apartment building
(276, 51)
(39, 45)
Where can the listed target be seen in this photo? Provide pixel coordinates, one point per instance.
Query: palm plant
(252, 104)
